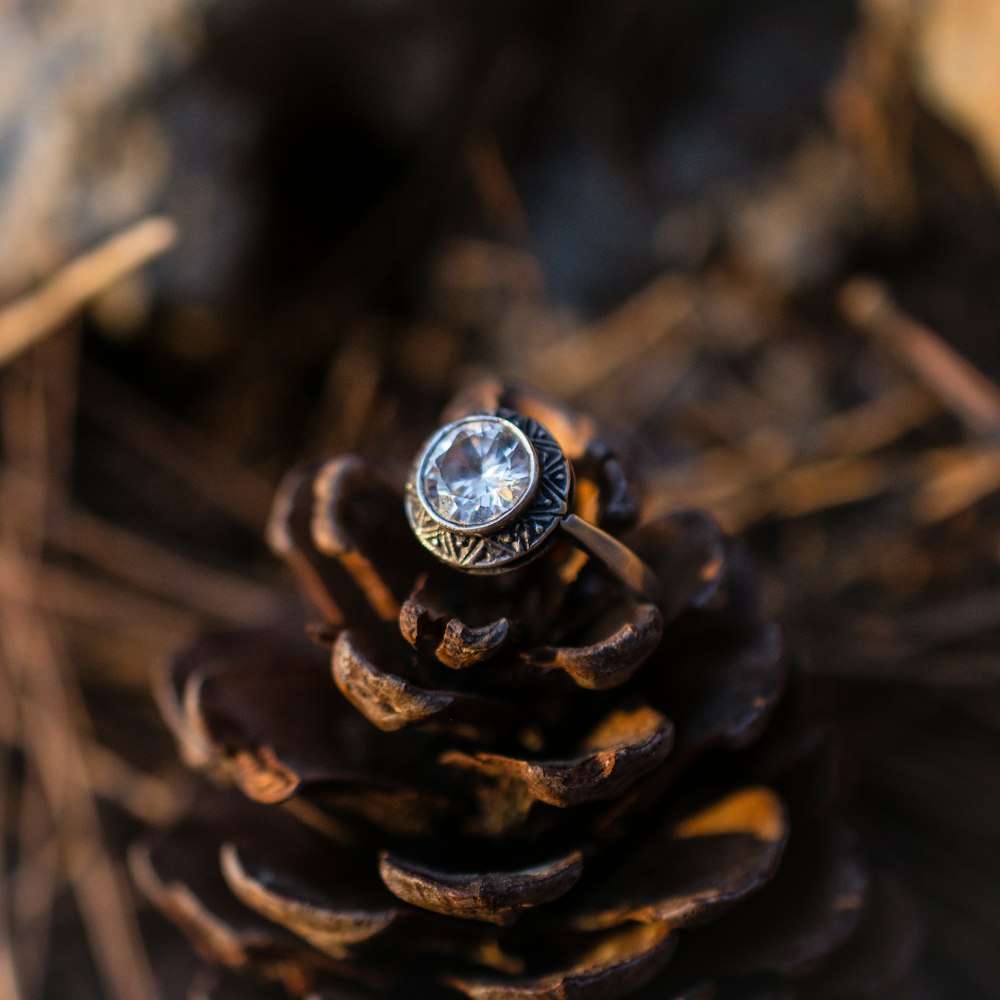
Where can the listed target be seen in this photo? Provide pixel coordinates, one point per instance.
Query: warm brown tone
(757, 242)
(526, 786)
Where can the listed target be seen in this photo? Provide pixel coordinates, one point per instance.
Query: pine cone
(533, 785)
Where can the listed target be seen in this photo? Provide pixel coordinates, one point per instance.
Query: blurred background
(759, 241)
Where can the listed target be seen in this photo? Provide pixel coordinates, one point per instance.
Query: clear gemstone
(477, 472)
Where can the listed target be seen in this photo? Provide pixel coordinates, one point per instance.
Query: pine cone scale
(612, 658)
(496, 897)
(619, 965)
(689, 871)
(626, 745)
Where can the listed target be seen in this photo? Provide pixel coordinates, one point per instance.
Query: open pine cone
(532, 785)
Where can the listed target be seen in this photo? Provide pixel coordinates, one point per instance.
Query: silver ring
(487, 493)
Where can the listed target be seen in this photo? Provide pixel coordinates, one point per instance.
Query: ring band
(487, 493)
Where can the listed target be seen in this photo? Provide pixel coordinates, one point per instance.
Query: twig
(954, 480)
(35, 881)
(29, 319)
(149, 798)
(973, 398)
(496, 188)
(9, 986)
(470, 265)
(159, 571)
(966, 616)
(51, 742)
(819, 486)
(69, 595)
(586, 358)
(873, 425)
(178, 448)
(52, 708)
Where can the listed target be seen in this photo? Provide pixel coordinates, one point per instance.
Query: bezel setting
(505, 517)
(517, 535)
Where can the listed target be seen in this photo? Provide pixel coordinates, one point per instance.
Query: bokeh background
(759, 241)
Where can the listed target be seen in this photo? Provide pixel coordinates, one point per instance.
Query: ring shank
(618, 558)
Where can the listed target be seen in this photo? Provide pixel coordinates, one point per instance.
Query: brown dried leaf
(625, 745)
(616, 966)
(497, 897)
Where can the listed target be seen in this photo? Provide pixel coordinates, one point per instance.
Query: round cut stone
(478, 472)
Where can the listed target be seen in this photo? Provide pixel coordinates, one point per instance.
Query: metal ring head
(517, 536)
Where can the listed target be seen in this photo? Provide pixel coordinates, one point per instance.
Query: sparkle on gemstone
(477, 472)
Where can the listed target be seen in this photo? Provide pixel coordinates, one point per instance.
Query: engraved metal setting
(520, 534)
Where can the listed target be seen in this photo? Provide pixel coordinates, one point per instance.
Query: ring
(487, 493)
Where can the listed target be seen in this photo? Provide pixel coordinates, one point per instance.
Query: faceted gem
(478, 472)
